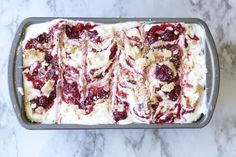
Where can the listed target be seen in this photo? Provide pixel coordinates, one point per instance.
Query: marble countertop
(216, 139)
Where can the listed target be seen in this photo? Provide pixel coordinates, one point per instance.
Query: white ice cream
(62, 112)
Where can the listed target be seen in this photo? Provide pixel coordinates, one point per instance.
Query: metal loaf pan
(15, 76)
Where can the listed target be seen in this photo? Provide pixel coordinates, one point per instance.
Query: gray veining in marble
(215, 140)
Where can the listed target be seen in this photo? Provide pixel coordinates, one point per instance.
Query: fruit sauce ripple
(164, 32)
(168, 32)
(38, 78)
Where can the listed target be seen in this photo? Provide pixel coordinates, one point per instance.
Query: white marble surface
(216, 139)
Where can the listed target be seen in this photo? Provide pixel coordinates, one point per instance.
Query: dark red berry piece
(117, 116)
(174, 94)
(164, 73)
(113, 51)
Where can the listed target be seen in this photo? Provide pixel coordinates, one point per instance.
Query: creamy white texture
(69, 114)
(197, 75)
(141, 93)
